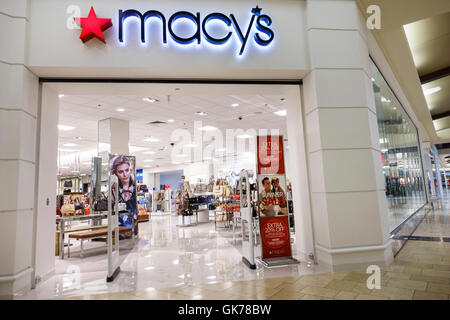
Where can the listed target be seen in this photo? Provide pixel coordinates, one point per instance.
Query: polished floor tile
(164, 256)
(191, 263)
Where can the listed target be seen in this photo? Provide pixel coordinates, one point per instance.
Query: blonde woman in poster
(123, 167)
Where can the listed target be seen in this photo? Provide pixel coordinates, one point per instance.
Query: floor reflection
(164, 256)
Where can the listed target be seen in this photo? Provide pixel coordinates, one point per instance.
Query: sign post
(113, 229)
(273, 206)
(248, 245)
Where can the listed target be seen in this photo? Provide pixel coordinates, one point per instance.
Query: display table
(61, 221)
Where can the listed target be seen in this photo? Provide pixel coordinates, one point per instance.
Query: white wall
(192, 171)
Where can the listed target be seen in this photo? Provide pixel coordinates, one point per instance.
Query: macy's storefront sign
(186, 28)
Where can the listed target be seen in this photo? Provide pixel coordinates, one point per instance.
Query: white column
(298, 173)
(347, 186)
(437, 166)
(428, 168)
(115, 134)
(18, 114)
(43, 260)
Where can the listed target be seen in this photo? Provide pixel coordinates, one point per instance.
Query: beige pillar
(347, 186)
(18, 114)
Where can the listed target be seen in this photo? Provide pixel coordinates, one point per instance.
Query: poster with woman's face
(272, 195)
(124, 167)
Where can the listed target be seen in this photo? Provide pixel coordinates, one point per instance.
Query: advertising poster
(270, 155)
(272, 195)
(275, 237)
(124, 167)
(273, 204)
(274, 220)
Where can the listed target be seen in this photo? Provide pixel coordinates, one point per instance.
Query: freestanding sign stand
(248, 244)
(272, 208)
(113, 229)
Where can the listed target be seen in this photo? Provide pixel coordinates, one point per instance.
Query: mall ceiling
(157, 117)
(415, 39)
(429, 40)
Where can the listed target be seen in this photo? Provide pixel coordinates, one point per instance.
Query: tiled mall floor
(420, 271)
(201, 263)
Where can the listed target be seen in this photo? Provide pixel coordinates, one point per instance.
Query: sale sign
(270, 155)
(273, 204)
(272, 195)
(275, 237)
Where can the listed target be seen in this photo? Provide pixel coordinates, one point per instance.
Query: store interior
(189, 147)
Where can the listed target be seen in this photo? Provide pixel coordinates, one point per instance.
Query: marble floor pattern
(420, 272)
(201, 263)
(164, 256)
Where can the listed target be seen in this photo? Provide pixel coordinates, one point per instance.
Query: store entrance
(182, 141)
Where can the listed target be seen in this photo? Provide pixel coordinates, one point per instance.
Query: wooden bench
(90, 235)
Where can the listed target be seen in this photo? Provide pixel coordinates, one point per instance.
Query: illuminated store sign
(263, 35)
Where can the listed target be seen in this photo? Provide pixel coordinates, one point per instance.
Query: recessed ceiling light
(120, 109)
(68, 150)
(147, 166)
(60, 95)
(151, 139)
(235, 105)
(201, 113)
(149, 160)
(394, 108)
(64, 167)
(65, 128)
(383, 99)
(281, 113)
(208, 128)
(181, 155)
(69, 144)
(427, 92)
(170, 121)
(175, 162)
(149, 152)
(244, 136)
(373, 80)
(148, 99)
(75, 171)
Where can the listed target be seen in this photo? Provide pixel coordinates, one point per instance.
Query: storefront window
(400, 154)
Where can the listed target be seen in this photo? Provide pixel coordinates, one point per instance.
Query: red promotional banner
(270, 155)
(275, 237)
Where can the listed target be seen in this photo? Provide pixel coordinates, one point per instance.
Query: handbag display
(68, 209)
(78, 206)
(101, 205)
(68, 184)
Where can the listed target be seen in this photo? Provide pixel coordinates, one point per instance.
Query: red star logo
(93, 26)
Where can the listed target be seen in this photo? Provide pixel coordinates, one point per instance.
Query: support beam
(435, 75)
(441, 115)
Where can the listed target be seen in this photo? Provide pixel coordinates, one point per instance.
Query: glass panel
(400, 154)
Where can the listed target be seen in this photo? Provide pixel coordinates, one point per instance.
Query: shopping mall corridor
(420, 271)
